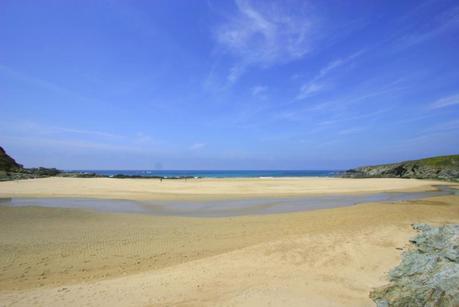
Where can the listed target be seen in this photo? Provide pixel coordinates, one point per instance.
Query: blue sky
(228, 85)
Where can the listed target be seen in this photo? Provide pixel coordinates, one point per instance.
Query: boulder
(428, 274)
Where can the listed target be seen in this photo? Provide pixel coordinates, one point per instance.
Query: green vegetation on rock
(442, 167)
(442, 161)
(11, 170)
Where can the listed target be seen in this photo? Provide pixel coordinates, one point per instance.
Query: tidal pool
(222, 208)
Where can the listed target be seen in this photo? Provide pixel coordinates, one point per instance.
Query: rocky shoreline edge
(428, 274)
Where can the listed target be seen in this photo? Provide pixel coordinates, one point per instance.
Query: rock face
(428, 275)
(11, 170)
(444, 167)
(7, 163)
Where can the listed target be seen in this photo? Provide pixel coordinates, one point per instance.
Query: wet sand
(225, 207)
(331, 257)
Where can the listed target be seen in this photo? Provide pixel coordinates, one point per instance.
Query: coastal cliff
(441, 167)
(7, 163)
(11, 170)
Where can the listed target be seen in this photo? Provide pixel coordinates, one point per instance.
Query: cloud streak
(259, 91)
(445, 102)
(444, 22)
(43, 84)
(264, 35)
(316, 84)
(197, 146)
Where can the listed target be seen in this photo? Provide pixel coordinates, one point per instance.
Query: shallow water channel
(222, 208)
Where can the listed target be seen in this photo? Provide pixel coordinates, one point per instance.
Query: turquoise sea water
(216, 173)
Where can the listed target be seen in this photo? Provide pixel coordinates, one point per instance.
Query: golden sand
(144, 189)
(327, 257)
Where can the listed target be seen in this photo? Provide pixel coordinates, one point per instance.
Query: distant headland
(440, 167)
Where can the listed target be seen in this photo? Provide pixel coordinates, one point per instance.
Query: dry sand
(146, 189)
(331, 257)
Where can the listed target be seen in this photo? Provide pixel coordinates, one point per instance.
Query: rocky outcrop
(444, 167)
(7, 163)
(28, 173)
(11, 170)
(428, 274)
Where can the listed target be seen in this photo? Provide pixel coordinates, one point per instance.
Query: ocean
(215, 173)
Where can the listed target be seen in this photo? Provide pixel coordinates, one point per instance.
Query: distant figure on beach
(161, 179)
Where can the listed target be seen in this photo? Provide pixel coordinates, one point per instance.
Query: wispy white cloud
(33, 80)
(27, 131)
(309, 89)
(365, 93)
(144, 139)
(68, 144)
(338, 63)
(259, 91)
(85, 132)
(353, 104)
(445, 102)
(43, 84)
(35, 128)
(432, 139)
(351, 130)
(443, 126)
(197, 146)
(316, 84)
(265, 34)
(444, 22)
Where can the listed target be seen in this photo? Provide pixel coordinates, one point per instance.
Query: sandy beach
(332, 257)
(150, 189)
(229, 153)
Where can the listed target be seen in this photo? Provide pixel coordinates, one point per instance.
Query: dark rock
(43, 171)
(7, 163)
(11, 170)
(78, 175)
(443, 167)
